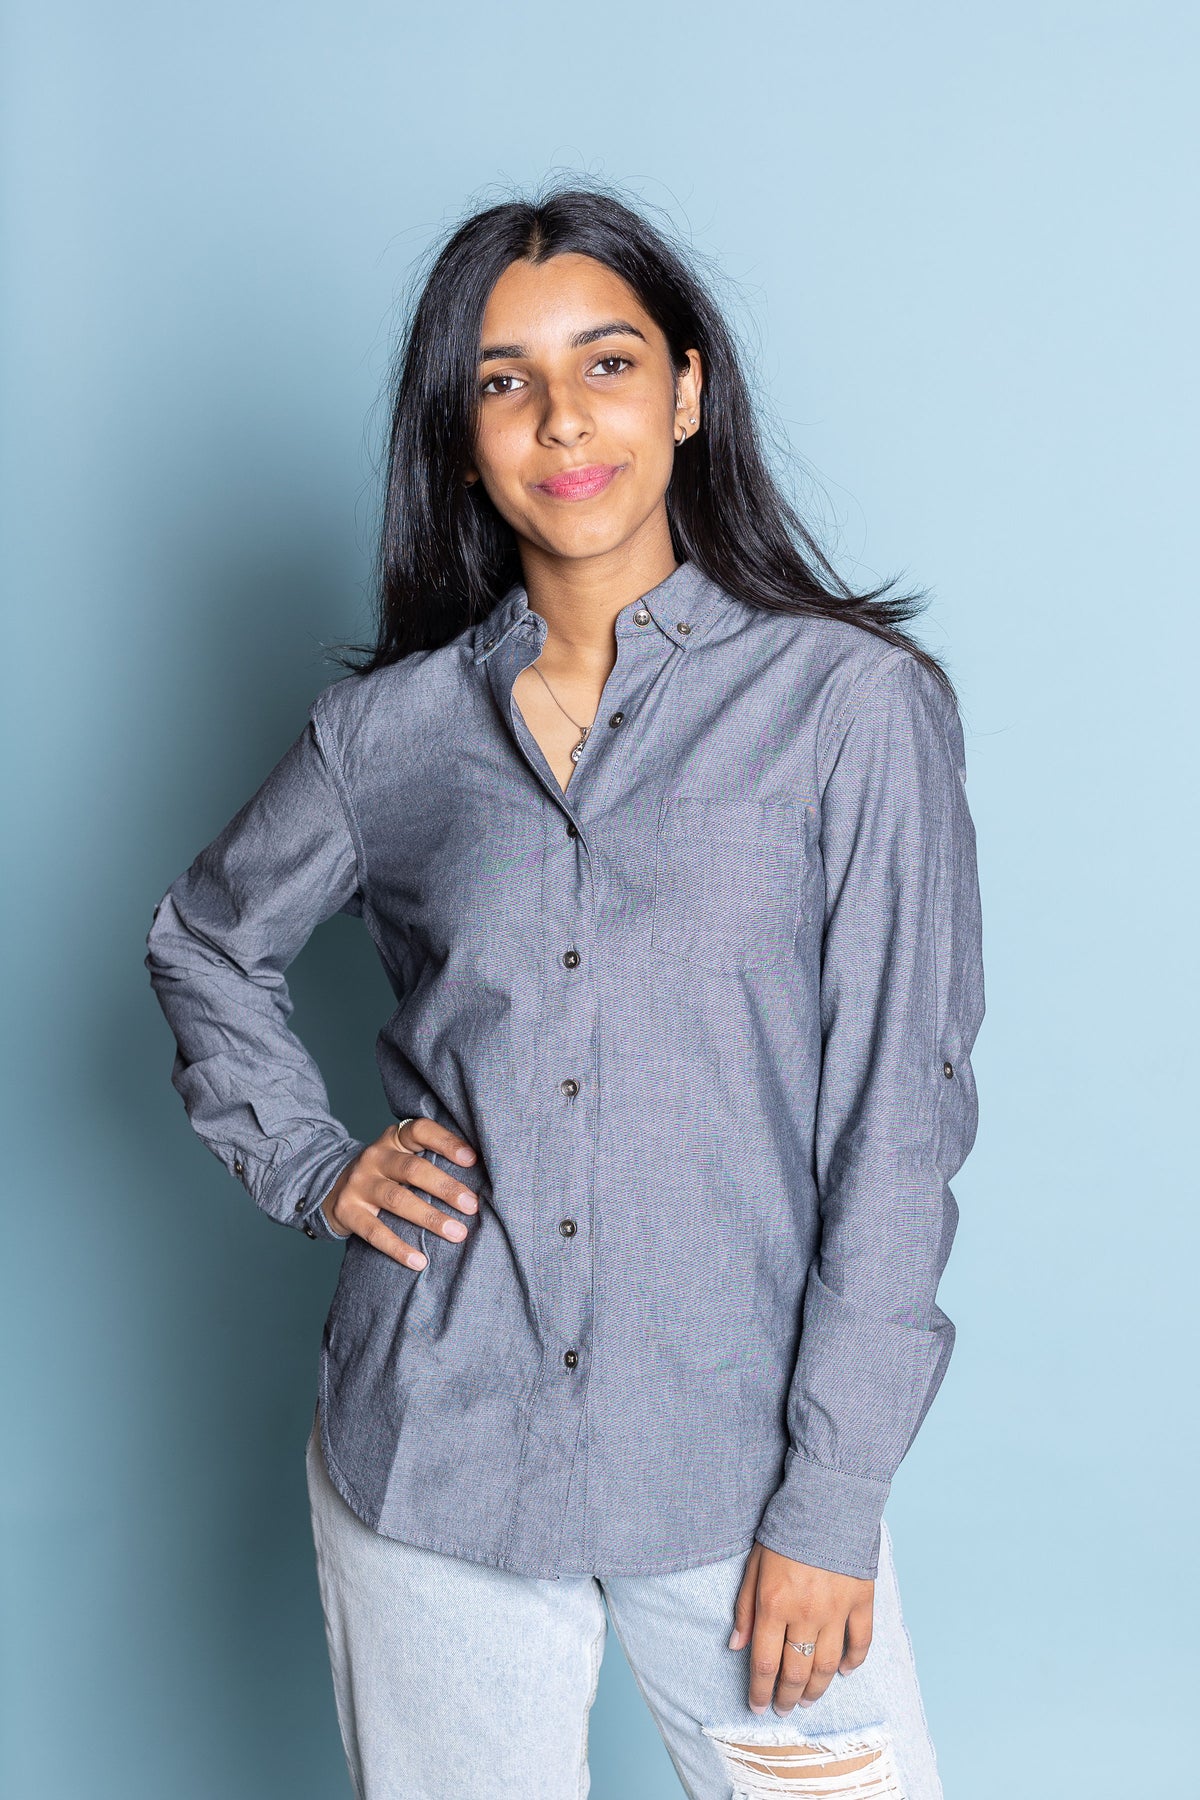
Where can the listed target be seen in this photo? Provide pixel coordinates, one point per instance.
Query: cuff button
(948, 1071)
(238, 1166)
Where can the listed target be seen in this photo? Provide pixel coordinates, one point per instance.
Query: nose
(566, 418)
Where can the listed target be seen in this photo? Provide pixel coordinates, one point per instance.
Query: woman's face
(579, 407)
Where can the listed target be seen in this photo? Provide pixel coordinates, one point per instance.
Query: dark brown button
(567, 1227)
(572, 828)
(616, 718)
(569, 1088)
(570, 959)
(571, 1358)
(300, 1205)
(948, 1070)
(308, 1231)
(238, 1166)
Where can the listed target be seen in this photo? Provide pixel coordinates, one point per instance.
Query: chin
(587, 537)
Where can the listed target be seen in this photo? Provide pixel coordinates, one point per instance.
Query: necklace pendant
(577, 752)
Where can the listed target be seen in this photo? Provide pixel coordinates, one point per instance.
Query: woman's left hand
(780, 1599)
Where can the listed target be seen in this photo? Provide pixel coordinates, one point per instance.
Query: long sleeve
(221, 938)
(901, 1004)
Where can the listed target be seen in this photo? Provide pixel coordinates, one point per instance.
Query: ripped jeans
(458, 1681)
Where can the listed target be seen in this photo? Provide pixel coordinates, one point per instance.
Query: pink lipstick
(580, 484)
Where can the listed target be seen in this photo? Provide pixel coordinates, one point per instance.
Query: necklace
(577, 752)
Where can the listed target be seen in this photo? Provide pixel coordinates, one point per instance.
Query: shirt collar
(680, 606)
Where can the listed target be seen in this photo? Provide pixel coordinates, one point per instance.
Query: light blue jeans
(458, 1681)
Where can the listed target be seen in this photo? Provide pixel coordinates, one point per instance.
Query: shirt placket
(553, 1460)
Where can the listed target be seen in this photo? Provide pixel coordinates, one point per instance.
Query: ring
(804, 1649)
(398, 1128)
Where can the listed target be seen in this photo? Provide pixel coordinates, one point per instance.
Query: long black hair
(446, 555)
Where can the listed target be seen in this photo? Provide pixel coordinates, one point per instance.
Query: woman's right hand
(381, 1179)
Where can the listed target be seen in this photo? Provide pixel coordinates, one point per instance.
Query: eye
(489, 387)
(613, 358)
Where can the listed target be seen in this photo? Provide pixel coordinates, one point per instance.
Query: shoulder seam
(870, 677)
(328, 749)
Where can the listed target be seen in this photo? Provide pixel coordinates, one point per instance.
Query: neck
(579, 597)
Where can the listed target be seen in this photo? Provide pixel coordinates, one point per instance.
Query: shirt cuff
(295, 1190)
(825, 1518)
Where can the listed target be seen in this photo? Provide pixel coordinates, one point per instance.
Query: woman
(660, 832)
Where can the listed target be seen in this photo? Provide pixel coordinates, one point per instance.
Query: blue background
(957, 243)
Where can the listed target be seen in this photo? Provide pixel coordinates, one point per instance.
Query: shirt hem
(421, 1539)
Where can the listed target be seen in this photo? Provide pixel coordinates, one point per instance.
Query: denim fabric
(453, 1679)
(748, 1088)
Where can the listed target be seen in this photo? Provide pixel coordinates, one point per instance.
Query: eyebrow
(614, 328)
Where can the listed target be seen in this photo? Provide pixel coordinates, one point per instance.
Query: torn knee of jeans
(842, 1765)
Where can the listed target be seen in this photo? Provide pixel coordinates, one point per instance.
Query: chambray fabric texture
(748, 1089)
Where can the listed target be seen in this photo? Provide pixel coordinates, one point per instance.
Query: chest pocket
(728, 882)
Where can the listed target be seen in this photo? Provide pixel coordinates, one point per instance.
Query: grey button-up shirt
(707, 1019)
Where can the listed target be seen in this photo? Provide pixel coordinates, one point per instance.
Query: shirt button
(238, 1166)
(567, 1227)
(300, 1205)
(570, 959)
(308, 1230)
(569, 1088)
(682, 626)
(948, 1070)
(616, 718)
(641, 616)
(572, 828)
(571, 1358)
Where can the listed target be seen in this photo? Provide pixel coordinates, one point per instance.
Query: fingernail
(758, 1709)
(806, 1703)
(467, 1200)
(733, 1638)
(417, 1262)
(454, 1228)
(464, 1155)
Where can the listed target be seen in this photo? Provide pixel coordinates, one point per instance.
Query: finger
(394, 1197)
(859, 1629)
(427, 1134)
(795, 1664)
(766, 1650)
(743, 1606)
(411, 1168)
(366, 1223)
(824, 1663)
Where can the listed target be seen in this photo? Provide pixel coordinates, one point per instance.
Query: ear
(688, 384)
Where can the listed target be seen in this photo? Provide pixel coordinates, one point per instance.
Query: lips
(580, 484)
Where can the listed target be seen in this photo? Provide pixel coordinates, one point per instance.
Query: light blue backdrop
(959, 238)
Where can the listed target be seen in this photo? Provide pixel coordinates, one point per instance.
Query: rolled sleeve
(901, 1004)
(221, 939)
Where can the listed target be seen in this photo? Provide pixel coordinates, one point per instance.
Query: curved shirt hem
(420, 1539)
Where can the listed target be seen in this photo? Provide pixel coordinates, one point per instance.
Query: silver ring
(804, 1649)
(398, 1128)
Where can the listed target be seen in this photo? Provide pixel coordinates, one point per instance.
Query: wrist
(326, 1211)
